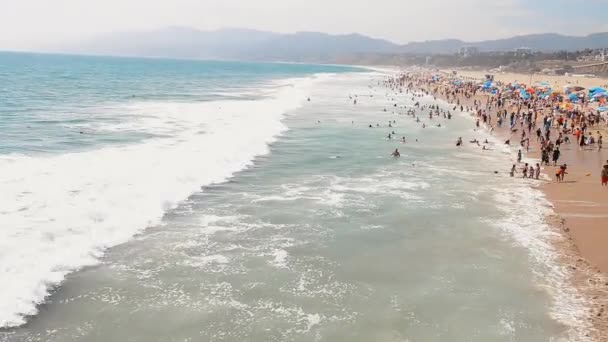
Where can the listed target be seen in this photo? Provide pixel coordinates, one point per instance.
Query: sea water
(159, 200)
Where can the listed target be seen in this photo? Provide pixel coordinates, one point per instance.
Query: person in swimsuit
(396, 154)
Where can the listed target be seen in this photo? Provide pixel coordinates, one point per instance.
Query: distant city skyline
(31, 24)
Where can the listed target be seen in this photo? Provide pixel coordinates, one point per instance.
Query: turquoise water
(47, 100)
(266, 217)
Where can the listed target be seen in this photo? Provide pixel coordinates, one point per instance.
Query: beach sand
(558, 82)
(580, 203)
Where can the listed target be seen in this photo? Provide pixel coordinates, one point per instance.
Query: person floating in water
(396, 154)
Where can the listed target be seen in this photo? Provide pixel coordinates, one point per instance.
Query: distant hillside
(242, 44)
(178, 42)
(546, 42)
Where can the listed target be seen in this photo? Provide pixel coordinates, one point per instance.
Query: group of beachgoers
(541, 118)
(435, 112)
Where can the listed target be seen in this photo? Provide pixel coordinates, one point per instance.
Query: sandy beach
(580, 204)
(558, 82)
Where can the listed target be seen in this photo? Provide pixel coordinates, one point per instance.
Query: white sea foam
(60, 213)
(525, 209)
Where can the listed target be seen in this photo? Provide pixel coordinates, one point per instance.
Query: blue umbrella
(603, 109)
(596, 90)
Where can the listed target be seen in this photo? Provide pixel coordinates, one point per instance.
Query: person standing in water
(519, 156)
(396, 154)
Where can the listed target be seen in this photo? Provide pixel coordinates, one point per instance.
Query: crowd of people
(547, 121)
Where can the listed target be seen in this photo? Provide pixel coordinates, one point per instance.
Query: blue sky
(26, 24)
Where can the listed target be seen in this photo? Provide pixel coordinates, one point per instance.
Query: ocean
(167, 200)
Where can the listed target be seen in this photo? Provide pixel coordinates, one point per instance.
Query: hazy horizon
(35, 24)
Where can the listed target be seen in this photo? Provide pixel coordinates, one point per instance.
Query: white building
(523, 51)
(467, 51)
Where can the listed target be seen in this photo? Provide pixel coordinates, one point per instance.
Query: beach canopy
(573, 97)
(595, 90)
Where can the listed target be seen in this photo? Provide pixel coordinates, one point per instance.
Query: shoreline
(576, 215)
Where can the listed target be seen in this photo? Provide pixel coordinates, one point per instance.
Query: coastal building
(467, 51)
(523, 51)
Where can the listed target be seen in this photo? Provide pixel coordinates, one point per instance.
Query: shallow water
(324, 236)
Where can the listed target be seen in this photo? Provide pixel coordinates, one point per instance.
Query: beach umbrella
(596, 90)
(577, 88)
(599, 94)
(530, 91)
(573, 97)
(602, 109)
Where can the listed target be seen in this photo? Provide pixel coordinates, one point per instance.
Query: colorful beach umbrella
(596, 90)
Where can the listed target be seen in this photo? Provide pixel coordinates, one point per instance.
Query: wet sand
(580, 203)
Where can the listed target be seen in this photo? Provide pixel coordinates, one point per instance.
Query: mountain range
(244, 44)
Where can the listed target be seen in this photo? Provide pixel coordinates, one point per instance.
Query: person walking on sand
(537, 171)
(512, 173)
(525, 171)
(561, 172)
(556, 154)
(531, 172)
(605, 175)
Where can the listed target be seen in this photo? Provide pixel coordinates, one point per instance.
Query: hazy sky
(31, 23)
